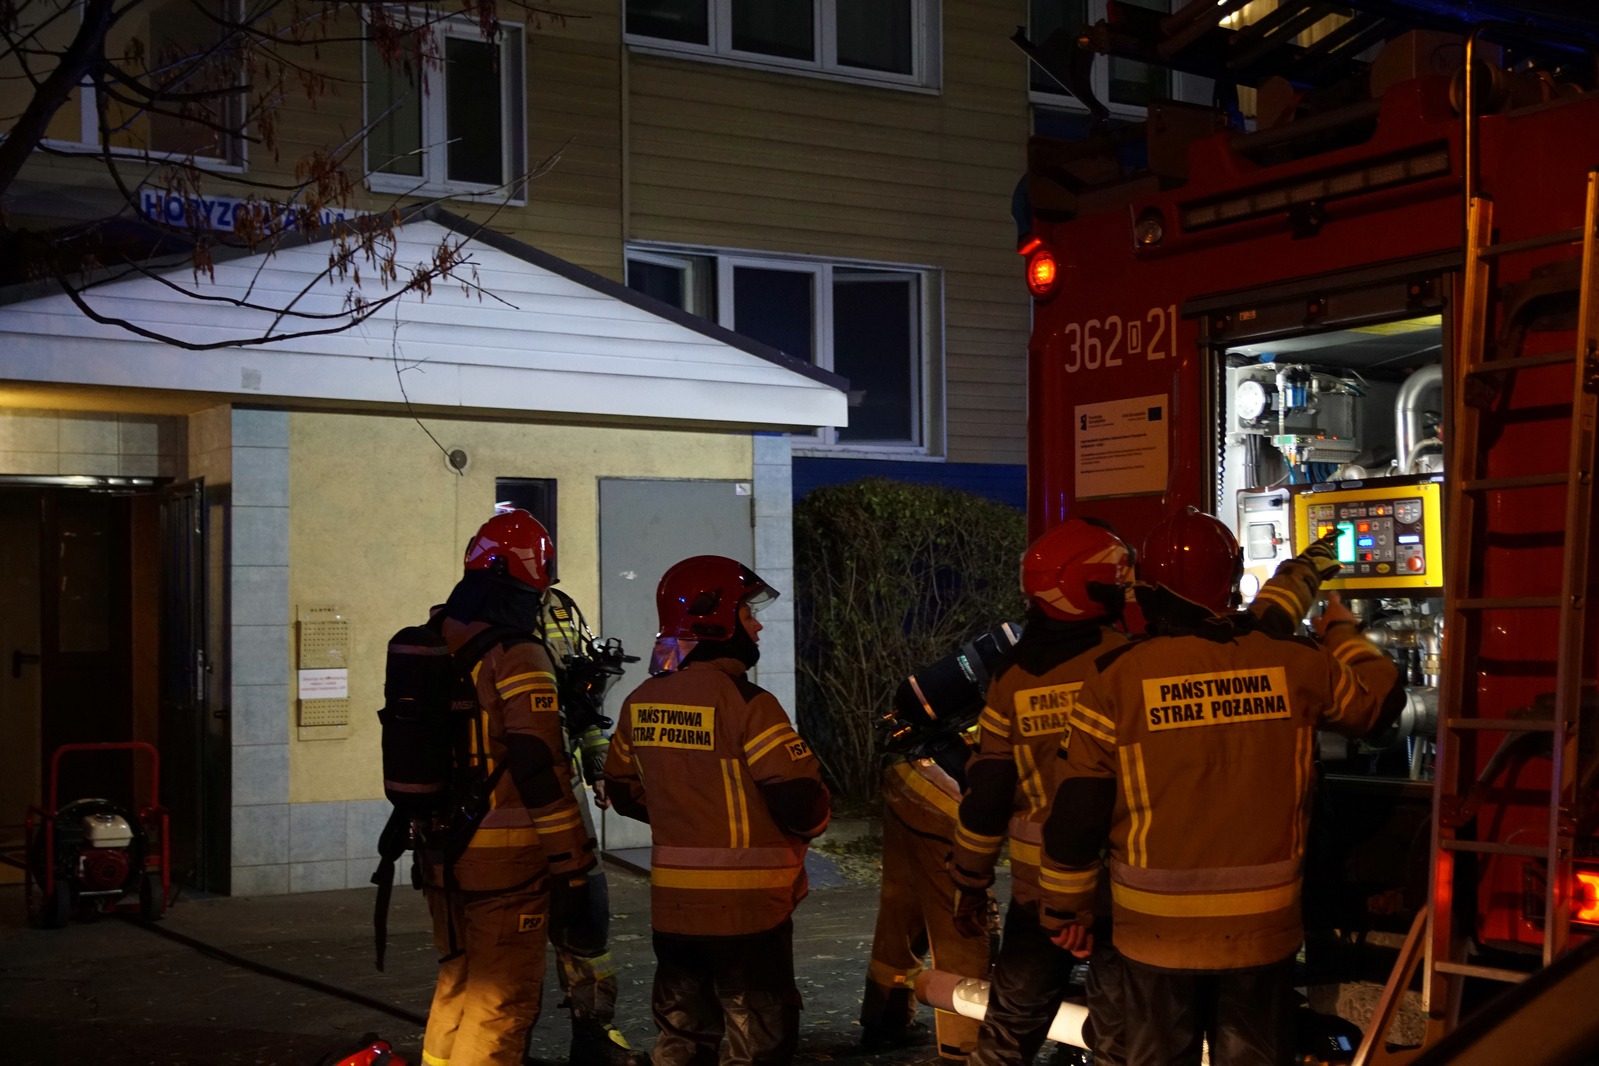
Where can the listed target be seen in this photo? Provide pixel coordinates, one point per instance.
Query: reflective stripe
(1026, 854)
(433, 1060)
(1136, 788)
(1031, 781)
(1093, 723)
(1069, 882)
(418, 649)
(1215, 879)
(671, 877)
(402, 786)
(558, 823)
(489, 837)
(917, 783)
(1205, 904)
(1295, 605)
(670, 855)
(505, 684)
(1025, 830)
(766, 740)
(738, 815)
(977, 842)
(1302, 771)
(1355, 649)
(991, 721)
(883, 974)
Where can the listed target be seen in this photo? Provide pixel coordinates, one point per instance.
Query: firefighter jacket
(923, 796)
(1012, 777)
(1190, 753)
(732, 795)
(532, 817)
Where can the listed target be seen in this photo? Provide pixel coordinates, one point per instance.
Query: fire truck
(1370, 312)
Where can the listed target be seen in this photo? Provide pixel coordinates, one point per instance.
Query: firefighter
(732, 795)
(1190, 756)
(916, 911)
(580, 922)
(1075, 577)
(490, 906)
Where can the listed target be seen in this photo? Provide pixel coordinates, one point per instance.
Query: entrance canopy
(515, 331)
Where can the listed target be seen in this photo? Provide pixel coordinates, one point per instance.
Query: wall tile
(261, 536)
(210, 430)
(260, 655)
(30, 462)
(260, 880)
(261, 836)
(260, 429)
(260, 774)
(30, 431)
(260, 595)
(358, 873)
(365, 821)
(88, 432)
(139, 435)
(260, 477)
(99, 464)
(139, 465)
(260, 714)
(317, 876)
(317, 832)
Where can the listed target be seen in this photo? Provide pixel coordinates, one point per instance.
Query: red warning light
(1042, 273)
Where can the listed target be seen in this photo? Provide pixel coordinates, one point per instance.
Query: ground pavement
(114, 993)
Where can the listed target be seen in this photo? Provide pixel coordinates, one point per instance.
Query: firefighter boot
(597, 1043)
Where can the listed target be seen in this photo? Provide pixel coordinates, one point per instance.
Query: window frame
(1185, 88)
(926, 365)
(926, 47)
(88, 142)
(435, 135)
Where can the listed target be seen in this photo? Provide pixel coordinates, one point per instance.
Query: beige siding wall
(377, 525)
(732, 157)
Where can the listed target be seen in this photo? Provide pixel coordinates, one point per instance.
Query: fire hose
(968, 997)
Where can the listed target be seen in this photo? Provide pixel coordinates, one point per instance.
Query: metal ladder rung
(1528, 244)
(1525, 362)
(1489, 603)
(1492, 973)
(1491, 847)
(1520, 481)
(1508, 725)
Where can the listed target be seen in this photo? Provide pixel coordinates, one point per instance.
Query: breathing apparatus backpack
(430, 726)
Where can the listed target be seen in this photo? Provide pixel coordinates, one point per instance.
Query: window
(1126, 86)
(177, 48)
(893, 41)
(454, 123)
(867, 322)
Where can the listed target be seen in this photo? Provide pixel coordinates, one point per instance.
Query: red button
(1415, 563)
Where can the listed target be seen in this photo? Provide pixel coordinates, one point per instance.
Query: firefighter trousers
(1248, 1015)
(916, 914)
(1030, 977)
(579, 930)
(487, 995)
(738, 987)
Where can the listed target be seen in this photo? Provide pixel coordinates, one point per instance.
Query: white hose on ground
(968, 997)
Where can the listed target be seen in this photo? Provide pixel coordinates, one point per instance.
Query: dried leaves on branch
(890, 576)
(181, 105)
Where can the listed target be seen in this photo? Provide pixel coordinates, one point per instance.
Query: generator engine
(98, 853)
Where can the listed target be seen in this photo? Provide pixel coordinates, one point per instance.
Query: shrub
(889, 577)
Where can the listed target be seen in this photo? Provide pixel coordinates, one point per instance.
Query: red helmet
(1061, 568)
(699, 598)
(515, 544)
(1195, 556)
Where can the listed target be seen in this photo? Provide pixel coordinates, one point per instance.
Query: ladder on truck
(1491, 353)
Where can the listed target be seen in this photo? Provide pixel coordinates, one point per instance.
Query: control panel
(1389, 532)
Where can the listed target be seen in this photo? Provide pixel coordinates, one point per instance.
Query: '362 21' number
(1101, 343)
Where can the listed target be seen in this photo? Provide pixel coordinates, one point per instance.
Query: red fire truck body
(1161, 340)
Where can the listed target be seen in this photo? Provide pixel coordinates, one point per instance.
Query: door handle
(18, 658)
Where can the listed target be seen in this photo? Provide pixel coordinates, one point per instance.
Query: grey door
(646, 525)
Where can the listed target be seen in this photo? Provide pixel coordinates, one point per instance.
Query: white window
(868, 322)
(455, 123)
(889, 41)
(178, 49)
(1125, 86)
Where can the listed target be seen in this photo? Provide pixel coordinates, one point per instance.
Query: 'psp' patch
(529, 923)
(797, 750)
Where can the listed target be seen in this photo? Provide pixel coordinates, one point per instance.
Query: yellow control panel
(1390, 536)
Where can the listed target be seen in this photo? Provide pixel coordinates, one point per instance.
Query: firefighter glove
(1322, 556)
(975, 912)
